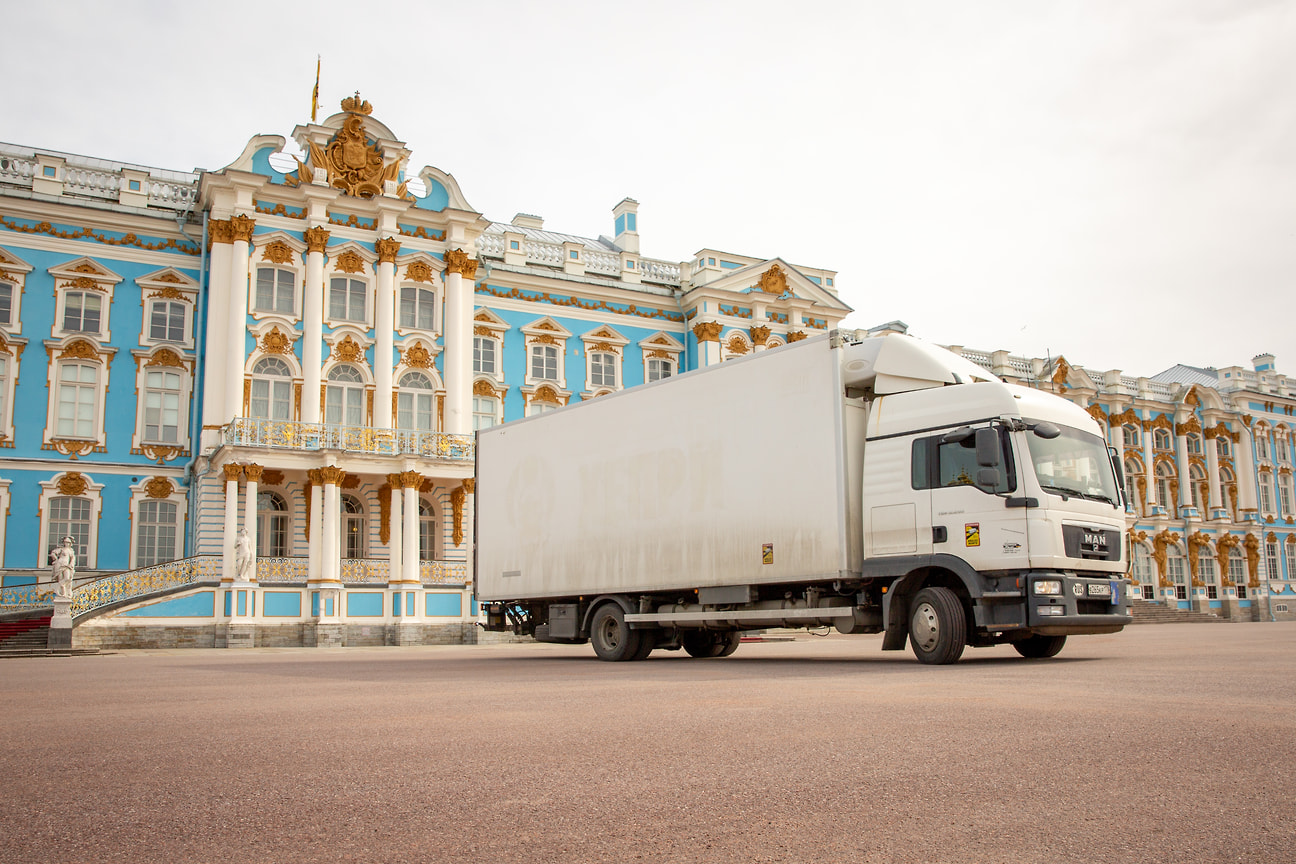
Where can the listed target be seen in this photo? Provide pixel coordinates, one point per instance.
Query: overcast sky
(1111, 180)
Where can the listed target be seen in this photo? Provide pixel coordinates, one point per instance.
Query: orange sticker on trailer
(972, 533)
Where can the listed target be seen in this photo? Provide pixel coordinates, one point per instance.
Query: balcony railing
(291, 435)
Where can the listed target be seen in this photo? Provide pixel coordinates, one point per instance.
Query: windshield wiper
(1062, 490)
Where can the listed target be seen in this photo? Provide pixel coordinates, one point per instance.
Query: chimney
(627, 225)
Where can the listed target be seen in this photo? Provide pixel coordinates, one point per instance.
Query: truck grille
(1090, 544)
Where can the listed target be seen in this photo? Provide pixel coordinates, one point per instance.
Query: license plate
(1099, 590)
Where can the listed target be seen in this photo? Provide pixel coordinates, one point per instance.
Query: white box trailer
(747, 495)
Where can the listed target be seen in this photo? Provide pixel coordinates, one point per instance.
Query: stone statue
(63, 560)
(243, 556)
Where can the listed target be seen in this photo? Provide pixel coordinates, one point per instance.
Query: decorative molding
(242, 227)
(159, 487)
(419, 271)
(232, 472)
(276, 342)
(253, 472)
(272, 477)
(457, 504)
(457, 261)
(73, 483)
(1159, 543)
(316, 239)
(773, 281)
(277, 210)
(410, 479)
(331, 475)
(277, 253)
(418, 357)
(421, 233)
(760, 335)
(387, 248)
(576, 302)
(795, 336)
(166, 358)
(353, 164)
(127, 239)
(384, 509)
(349, 262)
(708, 331)
(347, 351)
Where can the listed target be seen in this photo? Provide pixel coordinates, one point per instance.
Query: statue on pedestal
(63, 560)
(243, 556)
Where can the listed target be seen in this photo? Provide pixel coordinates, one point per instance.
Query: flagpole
(315, 92)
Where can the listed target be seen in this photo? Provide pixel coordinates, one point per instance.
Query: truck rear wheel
(612, 637)
(1040, 646)
(937, 628)
(708, 643)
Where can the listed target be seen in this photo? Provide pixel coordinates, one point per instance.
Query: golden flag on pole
(315, 92)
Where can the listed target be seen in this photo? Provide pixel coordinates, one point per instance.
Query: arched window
(155, 539)
(414, 403)
(1262, 442)
(427, 531)
(353, 527)
(344, 396)
(1141, 568)
(271, 396)
(70, 517)
(1266, 492)
(1196, 477)
(1222, 445)
(1164, 474)
(272, 525)
(1175, 569)
(1285, 494)
(1281, 450)
(1237, 571)
(1161, 439)
(1194, 443)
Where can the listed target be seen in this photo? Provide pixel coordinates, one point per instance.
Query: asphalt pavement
(1161, 743)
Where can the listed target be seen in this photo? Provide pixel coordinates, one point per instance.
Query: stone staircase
(29, 637)
(1149, 612)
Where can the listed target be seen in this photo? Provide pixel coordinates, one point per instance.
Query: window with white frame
(485, 412)
(7, 291)
(1164, 474)
(1271, 559)
(1194, 443)
(1141, 569)
(77, 400)
(162, 415)
(544, 362)
(83, 312)
(1237, 566)
(1285, 494)
(1262, 443)
(347, 299)
(415, 403)
(271, 392)
(603, 369)
(272, 525)
(541, 406)
(276, 290)
(1130, 435)
(1281, 449)
(353, 527)
(1291, 562)
(1196, 476)
(1266, 492)
(1132, 473)
(155, 536)
(1175, 568)
(427, 531)
(1206, 572)
(485, 352)
(70, 517)
(1161, 439)
(344, 396)
(659, 368)
(4, 391)
(168, 320)
(1222, 446)
(418, 308)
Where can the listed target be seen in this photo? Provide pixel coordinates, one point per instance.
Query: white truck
(869, 484)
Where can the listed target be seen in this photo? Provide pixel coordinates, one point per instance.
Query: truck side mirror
(987, 447)
(987, 478)
(1046, 430)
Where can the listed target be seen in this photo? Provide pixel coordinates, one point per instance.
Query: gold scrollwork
(72, 483)
(127, 239)
(419, 271)
(708, 331)
(316, 239)
(159, 487)
(773, 281)
(387, 248)
(349, 262)
(277, 253)
(457, 261)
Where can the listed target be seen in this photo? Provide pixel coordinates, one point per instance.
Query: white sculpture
(243, 556)
(63, 560)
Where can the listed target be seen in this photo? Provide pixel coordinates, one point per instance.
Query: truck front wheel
(937, 628)
(1040, 646)
(611, 636)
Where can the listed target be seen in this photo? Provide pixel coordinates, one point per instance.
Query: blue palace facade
(289, 356)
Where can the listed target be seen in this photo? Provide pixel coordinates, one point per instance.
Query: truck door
(971, 473)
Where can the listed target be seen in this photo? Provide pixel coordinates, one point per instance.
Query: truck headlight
(1049, 587)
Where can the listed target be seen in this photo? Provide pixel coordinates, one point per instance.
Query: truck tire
(647, 642)
(611, 636)
(937, 627)
(708, 643)
(1040, 646)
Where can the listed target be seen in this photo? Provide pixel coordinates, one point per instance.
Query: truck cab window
(938, 465)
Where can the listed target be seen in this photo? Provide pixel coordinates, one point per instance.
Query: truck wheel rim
(611, 636)
(925, 627)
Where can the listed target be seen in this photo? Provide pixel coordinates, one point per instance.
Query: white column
(314, 555)
(460, 272)
(385, 327)
(313, 323)
(214, 371)
(1246, 473)
(230, 536)
(395, 528)
(1213, 474)
(253, 474)
(329, 516)
(410, 570)
(1149, 472)
(235, 345)
(1184, 470)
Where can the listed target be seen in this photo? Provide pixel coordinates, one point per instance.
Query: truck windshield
(1073, 463)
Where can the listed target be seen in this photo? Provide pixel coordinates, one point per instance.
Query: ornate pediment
(354, 163)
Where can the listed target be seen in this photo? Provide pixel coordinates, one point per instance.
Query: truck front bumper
(1062, 604)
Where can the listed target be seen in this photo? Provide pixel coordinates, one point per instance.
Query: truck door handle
(938, 534)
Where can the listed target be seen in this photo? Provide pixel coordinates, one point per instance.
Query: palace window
(1222, 446)
(541, 407)
(485, 412)
(272, 525)
(1266, 493)
(78, 398)
(418, 308)
(276, 290)
(603, 369)
(1132, 473)
(1281, 449)
(347, 299)
(344, 396)
(1271, 560)
(1161, 439)
(162, 407)
(70, 517)
(82, 312)
(1164, 474)
(659, 368)
(1291, 561)
(1262, 443)
(1175, 568)
(6, 302)
(4, 392)
(1206, 572)
(271, 395)
(155, 538)
(1285, 495)
(485, 350)
(1237, 571)
(544, 362)
(427, 531)
(167, 321)
(414, 403)
(1141, 564)
(1196, 476)
(353, 527)
(1194, 443)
